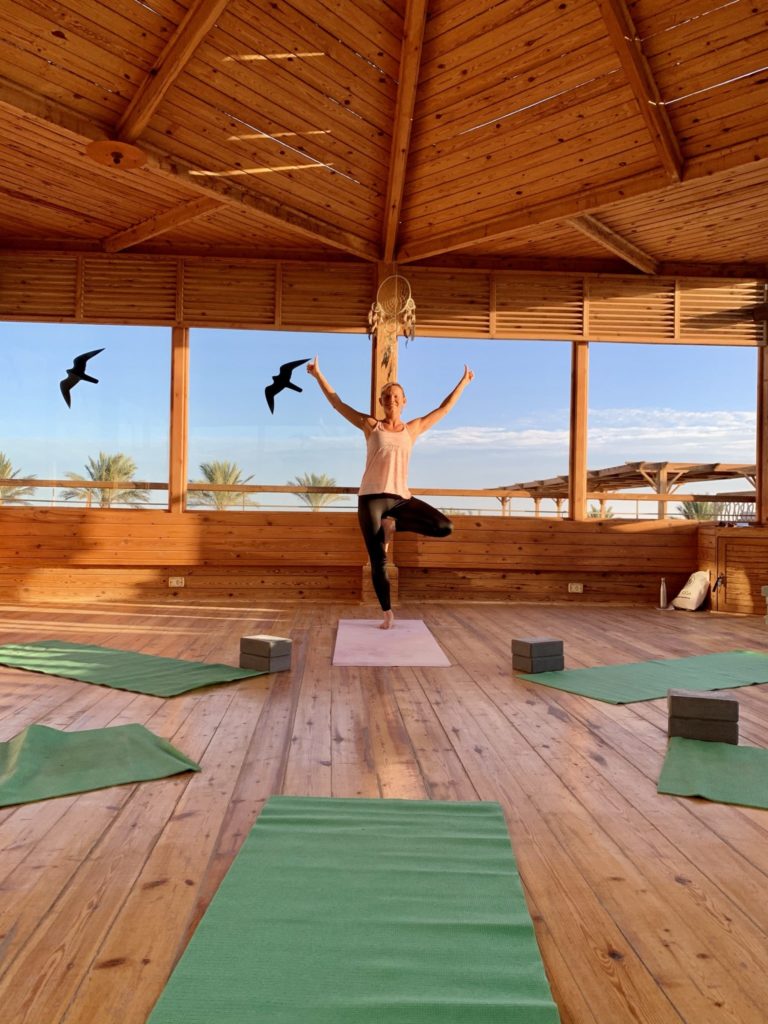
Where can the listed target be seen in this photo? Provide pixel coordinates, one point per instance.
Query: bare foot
(389, 620)
(388, 526)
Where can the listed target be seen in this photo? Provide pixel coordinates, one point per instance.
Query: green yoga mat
(649, 680)
(42, 762)
(716, 771)
(122, 670)
(353, 911)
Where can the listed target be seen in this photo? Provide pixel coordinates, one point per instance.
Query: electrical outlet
(174, 582)
(575, 588)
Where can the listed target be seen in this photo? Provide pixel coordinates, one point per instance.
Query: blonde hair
(391, 384)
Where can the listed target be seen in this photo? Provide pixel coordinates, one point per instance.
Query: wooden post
(383, 351)
(662, 487)
(577, 456)
(761, 458)
(177, 470)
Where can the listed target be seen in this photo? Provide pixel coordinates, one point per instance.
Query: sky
(646, 402)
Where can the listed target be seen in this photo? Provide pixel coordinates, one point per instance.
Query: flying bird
(76, 373)
(282, 380)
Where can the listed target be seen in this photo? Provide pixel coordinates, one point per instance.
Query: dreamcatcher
(394, 306)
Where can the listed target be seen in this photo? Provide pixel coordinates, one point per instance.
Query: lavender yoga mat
(360, 642)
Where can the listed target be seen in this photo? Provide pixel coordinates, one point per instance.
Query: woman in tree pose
(384, 502)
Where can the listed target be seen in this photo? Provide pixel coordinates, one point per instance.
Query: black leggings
(409, 514)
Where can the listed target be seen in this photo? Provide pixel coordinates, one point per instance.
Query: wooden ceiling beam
(408, 80)
(192, 29)
(562, 208)
(24, 103)
(623, 36)
(585, 201)
(614, 242)
(160, 224)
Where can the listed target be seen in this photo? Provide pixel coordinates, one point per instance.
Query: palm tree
(697, 510)
(119, 468)
(595, 512)
(316, 499)
(218, 472)
(9, 493)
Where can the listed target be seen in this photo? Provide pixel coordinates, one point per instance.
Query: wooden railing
(504, 495)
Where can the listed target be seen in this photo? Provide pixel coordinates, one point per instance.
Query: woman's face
(392, 399)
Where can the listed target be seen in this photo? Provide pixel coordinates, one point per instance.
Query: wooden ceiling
(578, 135)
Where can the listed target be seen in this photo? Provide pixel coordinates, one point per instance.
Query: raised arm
(357, 419)
(422, 423)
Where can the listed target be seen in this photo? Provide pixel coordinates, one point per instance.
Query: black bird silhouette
(282, 380)
(76, 373)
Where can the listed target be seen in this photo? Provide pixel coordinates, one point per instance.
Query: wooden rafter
(584, 201)
(410, 63)
(616, 243)
(195, 26)
(28, 104)
(562, 208)
(158, 225)
(621, 31)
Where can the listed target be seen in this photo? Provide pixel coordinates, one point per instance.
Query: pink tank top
(386, 467)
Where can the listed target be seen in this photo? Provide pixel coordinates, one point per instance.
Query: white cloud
(494, 438)
(634, 434)
(674, 434)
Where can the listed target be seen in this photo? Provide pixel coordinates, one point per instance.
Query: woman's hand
(313, 369)
(468, 375)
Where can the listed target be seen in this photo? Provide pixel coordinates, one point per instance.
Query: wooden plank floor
(648, 909)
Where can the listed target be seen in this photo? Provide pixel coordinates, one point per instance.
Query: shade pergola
(661, 477)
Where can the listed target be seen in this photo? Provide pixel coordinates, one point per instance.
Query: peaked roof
(594, 135)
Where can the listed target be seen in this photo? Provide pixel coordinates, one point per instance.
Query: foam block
(265, 646)
(704, 729)
(555, 663)
(537, 647)
(265, 664)
(694, 704)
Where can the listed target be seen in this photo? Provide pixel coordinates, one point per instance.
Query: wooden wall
(69, 554)
(64, 554)
(527, 559)
(336, 296)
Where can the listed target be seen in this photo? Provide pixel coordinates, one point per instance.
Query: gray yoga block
(694, 704)
(555, 663)
(538, 647)
(265, 664)
(704, 729)
(265, 646)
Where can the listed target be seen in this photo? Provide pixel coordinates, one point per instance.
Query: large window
(672, 403)
(235, 439)
(510, 425)
(647, 403)
(114, 430)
